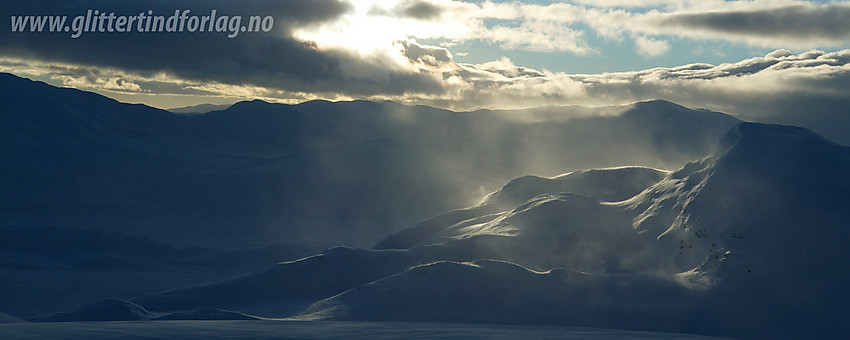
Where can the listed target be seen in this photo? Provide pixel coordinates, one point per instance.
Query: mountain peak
(251, 104)
(657, 103)
(746, 132)
(772, 141)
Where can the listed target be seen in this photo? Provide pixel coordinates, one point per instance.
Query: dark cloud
(799, 21)
(276, 61)
(419, 9)
(413, 9)
(256, 58)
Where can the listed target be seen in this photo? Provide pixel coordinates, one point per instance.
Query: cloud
(539, 36)
(730, 87)
(512, 26)
(341, 49)
(630, 3)
(798, 24)
(419, 9)
(650, 47)
(562, 27)
(429, 55)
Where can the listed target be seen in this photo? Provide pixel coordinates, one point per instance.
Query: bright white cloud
(651, 47)
(540, 36)
(726, 86)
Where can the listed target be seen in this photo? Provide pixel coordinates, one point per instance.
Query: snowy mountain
(258, 172)
(746, 243)
(612, 184)
(488, 291)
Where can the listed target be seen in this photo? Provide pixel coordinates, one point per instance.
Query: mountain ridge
(279, 169)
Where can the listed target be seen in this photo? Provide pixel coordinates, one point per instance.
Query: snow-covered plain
(314, 330)
(747, 242)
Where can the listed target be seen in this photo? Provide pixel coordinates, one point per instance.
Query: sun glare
(361, 30)
(377, 25)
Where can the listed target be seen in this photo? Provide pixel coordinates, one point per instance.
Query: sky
(751, 58)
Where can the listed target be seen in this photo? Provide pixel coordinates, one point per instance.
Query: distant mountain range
(319, 172)
(197, 109)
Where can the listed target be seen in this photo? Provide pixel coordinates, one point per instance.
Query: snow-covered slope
(612, 184)
(289, 287)
(6, 318)
(763, 223)
(106, 310)
(488, 291)
(286, 287)
(208, 314)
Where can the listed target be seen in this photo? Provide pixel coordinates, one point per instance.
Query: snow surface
(313, 330)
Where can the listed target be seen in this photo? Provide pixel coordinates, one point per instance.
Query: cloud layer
(335, 49)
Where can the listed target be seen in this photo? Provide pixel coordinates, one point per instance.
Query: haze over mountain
(319, 172)
(197, 109)
(750, 237)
